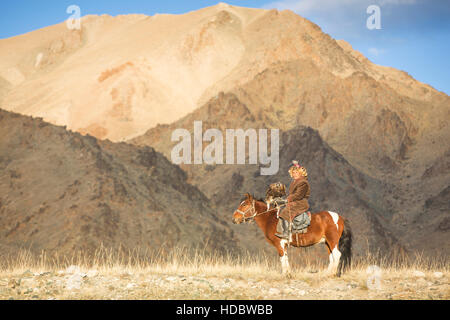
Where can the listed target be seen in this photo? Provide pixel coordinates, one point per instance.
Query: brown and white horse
(326, 227)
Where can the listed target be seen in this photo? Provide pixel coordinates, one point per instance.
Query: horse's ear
(249, 196)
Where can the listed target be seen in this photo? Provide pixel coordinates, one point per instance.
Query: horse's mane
(257, 199)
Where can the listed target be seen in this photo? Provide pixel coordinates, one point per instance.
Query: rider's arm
(280, 201)
(299, 192)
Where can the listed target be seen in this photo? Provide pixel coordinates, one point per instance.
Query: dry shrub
(202, 261)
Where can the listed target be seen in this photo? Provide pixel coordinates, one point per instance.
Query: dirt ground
(156, 284)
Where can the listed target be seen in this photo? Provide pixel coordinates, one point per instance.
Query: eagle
(275, 193)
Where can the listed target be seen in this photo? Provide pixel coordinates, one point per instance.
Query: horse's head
(245, 211)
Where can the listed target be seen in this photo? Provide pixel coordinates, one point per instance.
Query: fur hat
(297, 167)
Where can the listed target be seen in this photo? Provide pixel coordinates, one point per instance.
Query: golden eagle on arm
(275, 192)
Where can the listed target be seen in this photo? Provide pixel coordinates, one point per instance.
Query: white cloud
(312, 6)
(376, 52)
(396, 2)
(345, 19)
(309, 6)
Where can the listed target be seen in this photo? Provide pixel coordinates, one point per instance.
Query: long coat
(299, 192)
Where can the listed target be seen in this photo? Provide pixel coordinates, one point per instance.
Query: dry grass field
(180, 274)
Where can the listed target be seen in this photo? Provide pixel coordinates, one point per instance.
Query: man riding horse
(321, 227)
(297, 203)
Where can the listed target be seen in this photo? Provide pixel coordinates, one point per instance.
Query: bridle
(245, 212)
(254, 213)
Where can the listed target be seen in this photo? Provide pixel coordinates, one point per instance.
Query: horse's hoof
(329, 273)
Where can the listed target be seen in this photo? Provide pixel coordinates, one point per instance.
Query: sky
(412, 35)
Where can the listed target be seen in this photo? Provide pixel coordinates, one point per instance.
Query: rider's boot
(282, 229)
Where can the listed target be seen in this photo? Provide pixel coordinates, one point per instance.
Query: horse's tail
(345, 247)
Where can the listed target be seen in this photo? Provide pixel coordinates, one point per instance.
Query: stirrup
(282, 236)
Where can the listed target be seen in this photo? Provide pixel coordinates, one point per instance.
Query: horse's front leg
(283, 253)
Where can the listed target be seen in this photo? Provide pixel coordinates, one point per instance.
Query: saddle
(301, 223)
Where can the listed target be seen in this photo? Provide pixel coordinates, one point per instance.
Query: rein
(255, 214)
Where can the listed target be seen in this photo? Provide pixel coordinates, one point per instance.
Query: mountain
(61, 191)
(136, 78)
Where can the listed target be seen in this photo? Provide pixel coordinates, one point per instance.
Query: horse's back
(333, 218)
(326, 213)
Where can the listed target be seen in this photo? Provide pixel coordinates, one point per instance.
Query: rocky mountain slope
(372, 204)
(336, 184)
(61, 191)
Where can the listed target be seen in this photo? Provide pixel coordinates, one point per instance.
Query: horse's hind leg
(334, 255)
(330, 256)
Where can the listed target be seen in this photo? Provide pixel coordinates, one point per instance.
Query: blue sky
(414, 35)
